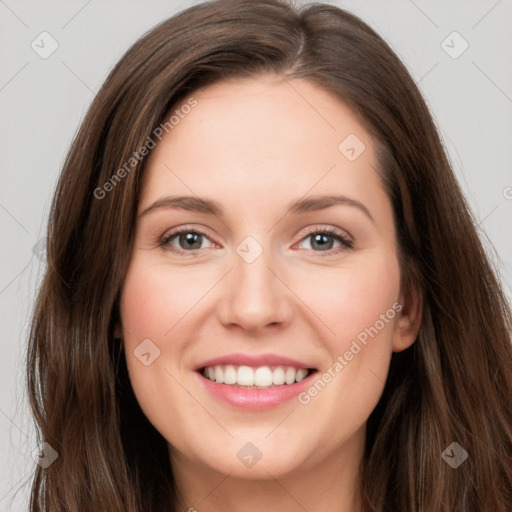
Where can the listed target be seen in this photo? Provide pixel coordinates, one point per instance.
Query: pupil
(190, 237)
(319, 238)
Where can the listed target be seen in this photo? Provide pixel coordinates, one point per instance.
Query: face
(260, 313)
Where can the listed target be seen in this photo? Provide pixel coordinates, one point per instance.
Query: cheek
(154, 300)
(353, 297)
(359, 310)
(150, 308)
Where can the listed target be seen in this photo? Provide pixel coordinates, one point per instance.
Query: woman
(247, 370)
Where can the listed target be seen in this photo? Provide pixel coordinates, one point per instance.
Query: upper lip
(253, 360)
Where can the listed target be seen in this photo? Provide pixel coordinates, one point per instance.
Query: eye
(323, 240)
(189, 240)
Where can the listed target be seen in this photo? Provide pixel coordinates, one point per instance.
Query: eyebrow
(208, 206)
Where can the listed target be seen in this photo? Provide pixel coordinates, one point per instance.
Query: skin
(254, 146)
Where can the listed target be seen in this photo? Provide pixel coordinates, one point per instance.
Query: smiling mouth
(260, 377)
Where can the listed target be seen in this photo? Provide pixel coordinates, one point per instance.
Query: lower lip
(255, 399)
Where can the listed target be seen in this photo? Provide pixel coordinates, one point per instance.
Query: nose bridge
(255, 297)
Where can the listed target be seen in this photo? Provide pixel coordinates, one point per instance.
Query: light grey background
(43, 101)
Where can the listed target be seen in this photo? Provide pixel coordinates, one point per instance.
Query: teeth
(289, 376)
(229, 374)
(263, 376)
(219, 375)
(244, 376)
(278, 376)
(260, 377)
(301, 374)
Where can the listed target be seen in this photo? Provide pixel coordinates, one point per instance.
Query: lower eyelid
(345, 242)
(165, 241)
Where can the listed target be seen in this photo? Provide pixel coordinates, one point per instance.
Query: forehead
(249, 136)
(263, 106)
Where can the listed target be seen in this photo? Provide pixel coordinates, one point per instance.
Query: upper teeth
(261, 376)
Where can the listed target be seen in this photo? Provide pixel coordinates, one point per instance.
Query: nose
(254, 295)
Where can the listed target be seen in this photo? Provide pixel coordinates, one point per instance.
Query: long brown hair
(454, 384)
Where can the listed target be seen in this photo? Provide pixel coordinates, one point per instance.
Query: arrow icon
(247, 252)
(44, 44)
(454, 455)
(351, 147)
(44, 455)
(249, 455)
(454, 45)
(147, 352)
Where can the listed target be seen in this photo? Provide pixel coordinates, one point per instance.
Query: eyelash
(346, 243)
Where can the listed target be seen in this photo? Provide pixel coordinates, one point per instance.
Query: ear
(118, 331)
(116, 317)
(409, 318)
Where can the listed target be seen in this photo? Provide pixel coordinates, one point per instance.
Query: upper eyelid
(331, 231)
